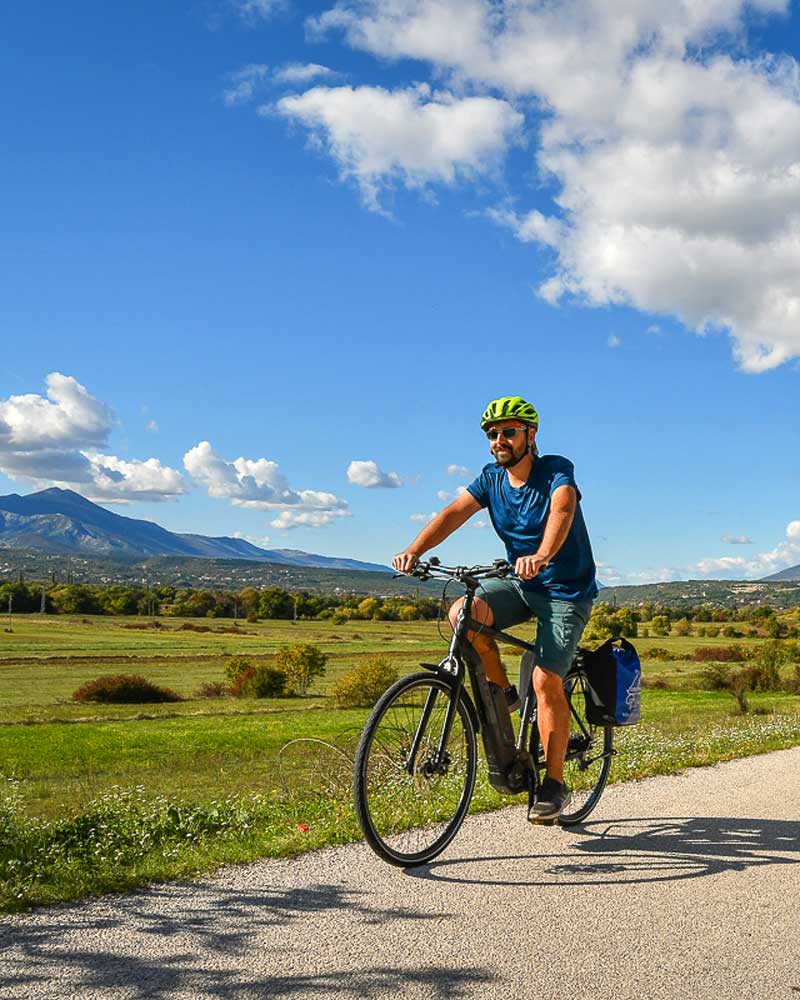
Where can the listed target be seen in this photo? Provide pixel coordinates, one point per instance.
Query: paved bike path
(679, 887)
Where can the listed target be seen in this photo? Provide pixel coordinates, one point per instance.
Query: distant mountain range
(792, 573)
(60, 521)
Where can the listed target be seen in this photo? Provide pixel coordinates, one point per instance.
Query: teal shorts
(560, 623)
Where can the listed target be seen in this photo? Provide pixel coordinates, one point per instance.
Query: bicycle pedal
(538, 821)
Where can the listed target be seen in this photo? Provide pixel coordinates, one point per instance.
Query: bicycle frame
(516, 770)
(511, 767)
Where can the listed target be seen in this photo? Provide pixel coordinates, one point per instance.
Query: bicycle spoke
(409, 813)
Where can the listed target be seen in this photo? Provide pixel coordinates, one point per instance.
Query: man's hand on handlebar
(527, 567)
(404, 562)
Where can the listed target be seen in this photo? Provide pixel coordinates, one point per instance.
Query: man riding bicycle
(534, 504)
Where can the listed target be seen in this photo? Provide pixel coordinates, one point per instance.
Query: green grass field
(59, 758)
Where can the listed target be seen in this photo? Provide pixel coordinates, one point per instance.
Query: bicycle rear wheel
(411, 799)
(589, 755)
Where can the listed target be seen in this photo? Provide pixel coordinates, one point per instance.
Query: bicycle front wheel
(588, 755)
(411, 793)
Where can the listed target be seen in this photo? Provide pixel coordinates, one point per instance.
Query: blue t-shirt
(519, 516)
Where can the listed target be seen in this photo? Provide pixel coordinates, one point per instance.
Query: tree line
(650, 619)
(251, 603)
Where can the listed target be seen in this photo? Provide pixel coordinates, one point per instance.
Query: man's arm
(562, 511)
(441, 527)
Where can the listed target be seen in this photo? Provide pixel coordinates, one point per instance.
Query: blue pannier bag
(614, 674)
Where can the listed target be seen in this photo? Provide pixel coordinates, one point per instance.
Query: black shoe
(551, 800)
(513, 699)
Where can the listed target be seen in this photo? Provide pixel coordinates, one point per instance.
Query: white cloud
(736, 540)
(152, 427)
(480, 524)
(261, 541)
(785, 554)
(115, 480)
(53, 441)
(244, 84)
(446, 496)
(413, 137)
(424, 518)
(614, 341)
(68, 418)
(674, 163)
(308, 519)
(303, 73)
(257, 10)
(369, 475)
(257, 484)
(457, 470)
(611, 576)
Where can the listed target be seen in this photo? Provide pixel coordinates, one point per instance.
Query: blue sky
(246, 244)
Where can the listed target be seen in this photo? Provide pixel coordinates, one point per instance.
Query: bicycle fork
(440, 756)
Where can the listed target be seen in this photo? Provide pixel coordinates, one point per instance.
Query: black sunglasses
(508, 432)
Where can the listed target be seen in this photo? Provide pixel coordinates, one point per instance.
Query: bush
(793, 683)
(660, 625)
(300, 665)
(737, 685)
(261, 681)
(658, 683)
(720, 654)
(212, 689)
(235, 667)
(762, 677)
(656, 653)
(764, 672)
(363, 685)
(716, 677)
(124, 689)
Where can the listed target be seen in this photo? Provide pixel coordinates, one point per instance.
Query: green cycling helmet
(509, 408)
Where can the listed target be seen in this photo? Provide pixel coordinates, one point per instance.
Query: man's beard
(509, 457)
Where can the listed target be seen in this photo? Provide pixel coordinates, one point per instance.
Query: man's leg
(553, 718)
(561, 625)
(484, 645)
(502, 604)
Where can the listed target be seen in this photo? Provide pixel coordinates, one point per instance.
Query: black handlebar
(431, 568)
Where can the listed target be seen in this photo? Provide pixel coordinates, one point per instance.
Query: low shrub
(792, 685)
(235, 667)
(300, 665)
(212, 689)
(124, 689)
(720, 654)
(657, 683)
(737, 685)
(656, 653)
(764, 672)
(364, 684)
(261, 681)
(762, 677)
(716, 677)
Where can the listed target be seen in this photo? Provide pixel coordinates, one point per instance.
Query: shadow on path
(636, 851)
(210, 942)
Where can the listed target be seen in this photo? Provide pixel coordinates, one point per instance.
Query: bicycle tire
(409, 817)
(589, 754)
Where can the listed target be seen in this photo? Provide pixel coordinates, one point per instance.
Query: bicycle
(416, 761)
